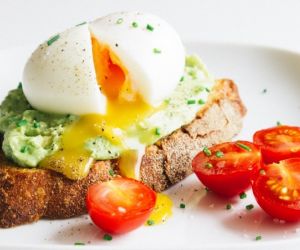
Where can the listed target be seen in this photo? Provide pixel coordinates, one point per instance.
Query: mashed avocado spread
(29, 136)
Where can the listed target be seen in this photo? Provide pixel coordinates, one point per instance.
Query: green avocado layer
(30, 135)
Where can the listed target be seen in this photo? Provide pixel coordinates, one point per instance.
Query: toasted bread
(26, 195)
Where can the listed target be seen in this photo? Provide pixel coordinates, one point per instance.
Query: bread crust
(168, 161)
(26, 195)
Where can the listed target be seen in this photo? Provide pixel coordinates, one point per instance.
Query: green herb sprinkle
(250, 206)
(149, 27)
(107, 237)
(219, 154)
(243, 195)
(243, 146)
(182, 205)
(52, 40)
(206, 151)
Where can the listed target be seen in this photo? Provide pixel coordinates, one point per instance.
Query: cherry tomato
(227, 168)
(278, 143)
(277, 189)
(120, 205)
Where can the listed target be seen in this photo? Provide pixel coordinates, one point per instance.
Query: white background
(267, 22)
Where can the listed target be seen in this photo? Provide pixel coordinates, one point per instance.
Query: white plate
(204, 223)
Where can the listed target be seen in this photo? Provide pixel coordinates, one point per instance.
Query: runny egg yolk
(124, 108)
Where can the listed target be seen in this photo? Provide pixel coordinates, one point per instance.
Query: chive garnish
(156, 51)
(191, 101)
(264, 91)
(150, 222)
(219, 154)
(208, 165)
(149, 27)
(119, 21)
(258, 237)
(182, 78)
(107, 237)
(134, 24)
(36, 124)
(278, 123)
(20, 85)
(111, 172)
(206, 151)
(80, 24)
(207, 90)
(243, 146)
(228, 206)
(79, 244)
(243, 195)
(52, 40)
(24, 149)
(201, 101)
(182, 205)
(250, 206)
(157, 131)
(21, 123)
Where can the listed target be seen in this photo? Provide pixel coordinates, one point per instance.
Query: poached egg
(112, 72)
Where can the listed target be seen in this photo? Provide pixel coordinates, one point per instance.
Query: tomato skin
(104, 211)
(231, 174)
(284, 139)
(284, 174)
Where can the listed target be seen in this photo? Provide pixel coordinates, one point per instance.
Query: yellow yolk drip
(124, 108)
(162, 210)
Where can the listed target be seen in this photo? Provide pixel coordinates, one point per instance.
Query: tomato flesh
(277, 189)
(120, 205)
(278, 143)
(227, 173)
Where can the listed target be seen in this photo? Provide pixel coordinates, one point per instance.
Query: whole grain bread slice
(27, 195)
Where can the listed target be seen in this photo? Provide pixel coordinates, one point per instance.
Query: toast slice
(26, 195)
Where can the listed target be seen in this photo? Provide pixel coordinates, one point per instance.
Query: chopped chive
(36, 124)
(201, 101)
(264, 91)
(157, 131)
(207, 90)
(243, 146)
(134, 24)
(182, 78)
(149, 27)
(249, 207)
(80, 24)
(20, 85)
(193, 74)
(219, 154)
(52, 40)
(119, 21)
(258, 237)
(150, 222)
(278, 123)
(228, 206)
(21, 123)
(182, 205)
(24, 149)
(156, 51)
(167, 101)
(206, 151)
(191, 101)
(79, 244)
(243, 195)
(107, 237)
(111, 172)
(208, 165)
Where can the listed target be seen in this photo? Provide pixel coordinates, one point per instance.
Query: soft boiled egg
(126, 57)
(111, 72)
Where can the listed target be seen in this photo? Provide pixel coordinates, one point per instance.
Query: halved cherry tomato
(227, 168)
(120, 205)
(278, 143)
(277, 189)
